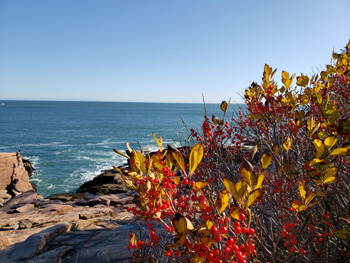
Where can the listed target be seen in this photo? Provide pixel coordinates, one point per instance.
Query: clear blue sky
(160, 51)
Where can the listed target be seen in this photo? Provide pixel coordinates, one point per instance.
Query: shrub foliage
(270, 185)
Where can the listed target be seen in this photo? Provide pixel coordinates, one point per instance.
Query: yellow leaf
(339, 151)
(176, 158)
(343, 234)
(160, 145)
(303, 100)
(320, 148)
(255, 151)
(224, 106)
(128, 183)
(222, 201)
(254, 196)
(189, 224)
(235, 211)
(117, 169)
(140, 202)
(285, 76)
(288, 82)
(302, 190)
(196, 156)
(329, 180)
(330, 172)
(230, 188)
(148, 186)
(133, 240)
(310, 123)
(266, 160)
(314, 161)
(139, 161)
(329, 142)
(199, 185)
(178, 241)
(268, 70)
(177, 179)
(180, 224)
(298, 206)
(302, 80)
(288, 143)
(248, 176)
(261, 177)
(311, 196)
(209, 224)
(241, 189)
(120, 153)
(276, 149)
(196, 259)
(128, 146)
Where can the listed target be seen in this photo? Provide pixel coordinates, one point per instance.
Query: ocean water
(69, 143)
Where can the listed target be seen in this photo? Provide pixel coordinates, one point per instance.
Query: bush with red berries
(270, 185)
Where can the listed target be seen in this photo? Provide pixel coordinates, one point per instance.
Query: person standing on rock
(19, 158)
(12, 187)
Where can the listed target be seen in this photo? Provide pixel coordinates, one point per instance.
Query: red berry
(251, 231)
(223, 230)
(302, 251)
(241, 216)
(284, 234)
(185, 181)
(243, 230)
(214, 230)
(286, 244)
(238, 230)
(217, 238)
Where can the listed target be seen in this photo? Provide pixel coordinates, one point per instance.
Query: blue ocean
(69, 143)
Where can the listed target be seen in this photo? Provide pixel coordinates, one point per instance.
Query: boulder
(35, 243)
(23, 209)
(9, 170)
(29, 197)
(109, 182)
(5, 241)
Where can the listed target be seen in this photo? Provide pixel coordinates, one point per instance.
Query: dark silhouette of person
(12, 187)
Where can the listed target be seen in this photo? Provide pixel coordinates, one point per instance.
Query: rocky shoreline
(87, 226)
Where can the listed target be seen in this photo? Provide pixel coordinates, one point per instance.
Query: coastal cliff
(83, 227)
(9, 170)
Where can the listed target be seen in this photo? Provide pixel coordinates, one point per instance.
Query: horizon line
(106, 101)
